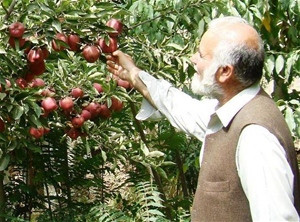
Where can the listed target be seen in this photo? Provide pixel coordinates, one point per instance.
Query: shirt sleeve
(183, 112)
(266, 176)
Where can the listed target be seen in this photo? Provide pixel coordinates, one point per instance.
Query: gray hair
(247, 61)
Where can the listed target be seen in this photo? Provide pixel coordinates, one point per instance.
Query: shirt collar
(226, 112)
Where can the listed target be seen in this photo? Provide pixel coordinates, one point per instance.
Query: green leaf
(57, 25)
(104, 156)
(155, 154)
(279, 64)
(35, 148)
(175, 46)
(37, 109)
(4, 162)
(17, 112)
(35, 120)
(2, 50)
(162, 172)
(270, 64)
(144, 149)
(2, 96)
(289, 117)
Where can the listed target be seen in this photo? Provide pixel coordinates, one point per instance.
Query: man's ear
(224, 74)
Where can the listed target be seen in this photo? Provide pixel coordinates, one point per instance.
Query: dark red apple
(77, 121)
(98, 87)
(91, 53)
(12, 42)
(37, 68)
(77, 93)
(116, 25)
(49, 104)
(86, 114)
(56, 44)
(66, 104)
(111, 47)
(74, 42)
(35, 55)
(29, 77)
(16, 29)
(45, 52)
(73, 133)
(2, 126)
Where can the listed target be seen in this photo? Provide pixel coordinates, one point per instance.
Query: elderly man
(248, 162)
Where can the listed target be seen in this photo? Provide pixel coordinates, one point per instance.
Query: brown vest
(219, 195)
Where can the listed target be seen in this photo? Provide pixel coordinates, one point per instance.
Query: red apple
(77, 93)
(35, 55)
(116, 104)
(37, 83)
(56, 44)
(16, 29)
(66, 104)
(116, 25)
(123, 83)
(91, 53)
(98, 87)
(2, 126)
(77, 121)
(111, 47)
(22, 83)
(74, 41)
(8, 83)
(94, 108)
(105, 113)
(36, 132)
(86, 114)
(49, 104)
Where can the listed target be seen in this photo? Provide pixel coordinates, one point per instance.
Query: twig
(10, 9)
(4, 8)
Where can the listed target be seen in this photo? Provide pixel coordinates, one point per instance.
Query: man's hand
(122, 65)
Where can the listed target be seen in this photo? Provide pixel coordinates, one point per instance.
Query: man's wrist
(134, 75)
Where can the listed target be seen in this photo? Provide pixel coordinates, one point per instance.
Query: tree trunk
(181, 174)
(2, 198)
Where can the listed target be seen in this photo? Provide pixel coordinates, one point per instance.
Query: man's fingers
(111, 58)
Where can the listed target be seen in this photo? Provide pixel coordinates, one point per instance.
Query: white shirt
(265, 174)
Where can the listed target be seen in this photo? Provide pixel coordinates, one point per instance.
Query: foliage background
(123, 170)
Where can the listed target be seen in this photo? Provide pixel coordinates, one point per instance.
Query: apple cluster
(36, 56)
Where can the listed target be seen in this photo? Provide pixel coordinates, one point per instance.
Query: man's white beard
(208, 86)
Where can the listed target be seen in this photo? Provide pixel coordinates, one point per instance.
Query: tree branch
(10, 9)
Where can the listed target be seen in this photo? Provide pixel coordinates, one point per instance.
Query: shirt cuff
(147, 111)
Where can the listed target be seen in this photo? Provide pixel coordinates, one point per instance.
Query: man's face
(204, 81)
